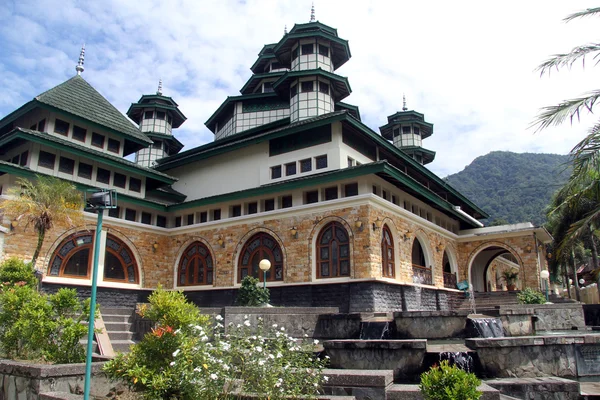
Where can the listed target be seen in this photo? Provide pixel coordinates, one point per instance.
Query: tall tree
(42, 203)
(579, 203)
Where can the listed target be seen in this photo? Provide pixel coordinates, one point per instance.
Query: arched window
(73, 259)
(333, 252)
(196, 266)
(449, 276)
(259, 247)
(421, 272)
(119, 264)
(73, 256)
(387, 253)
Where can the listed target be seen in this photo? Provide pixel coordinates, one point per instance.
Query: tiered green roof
(79, 100)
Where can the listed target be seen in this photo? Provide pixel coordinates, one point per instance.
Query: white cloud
(468, 65)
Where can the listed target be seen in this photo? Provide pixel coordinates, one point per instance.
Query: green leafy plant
(14, 270)
(203, 361)
(446, 382)
(34, 325)
(252, 294)
(531, 296)
(510, 276)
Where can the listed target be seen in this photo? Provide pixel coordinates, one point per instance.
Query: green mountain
(511, 186)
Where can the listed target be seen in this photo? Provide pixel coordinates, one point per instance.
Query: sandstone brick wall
(158, 265)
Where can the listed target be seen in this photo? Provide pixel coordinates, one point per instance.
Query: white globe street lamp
(264, 266)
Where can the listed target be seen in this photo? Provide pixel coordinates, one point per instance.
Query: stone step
(120, 335)
(117, 318)
(121, 346)
(117, 310)
(412, 392)
(528, 388)
(117, 326)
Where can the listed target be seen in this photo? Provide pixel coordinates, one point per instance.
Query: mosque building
(347, 216)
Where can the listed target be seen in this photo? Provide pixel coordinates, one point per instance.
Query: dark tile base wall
(591, 313)
(348, 297)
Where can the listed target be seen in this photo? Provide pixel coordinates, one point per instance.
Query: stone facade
(158, 251)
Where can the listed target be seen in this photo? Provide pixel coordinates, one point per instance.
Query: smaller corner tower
(407, 129)
(157, 116)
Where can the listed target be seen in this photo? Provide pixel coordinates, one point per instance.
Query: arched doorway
(421, 268)
(449, 270)
(259, 247)
(489, 267)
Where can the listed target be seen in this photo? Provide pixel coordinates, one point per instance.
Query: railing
(422, 275)
(449, 280)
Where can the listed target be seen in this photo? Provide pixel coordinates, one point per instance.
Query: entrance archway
(487, 264)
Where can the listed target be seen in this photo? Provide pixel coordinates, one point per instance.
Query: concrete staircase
(489, 300)
(119, 326)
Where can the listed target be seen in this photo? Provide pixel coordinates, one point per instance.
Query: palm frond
(568, 109)
(567, 59)
(585, 13)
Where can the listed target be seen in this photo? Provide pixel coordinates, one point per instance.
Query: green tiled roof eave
(28, 173)
(346, 173)
(25, 108)
(77, 97)
(252, 136)
(338, 61)
(315, 24)
(341, 80)
(382, 141)
(45, 138)
(262, 59)
(172, 139)
(257, 77)
(211, 120)
(404, 179)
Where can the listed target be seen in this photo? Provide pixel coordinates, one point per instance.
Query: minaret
(79, 67)
(312, 13)
(157, 116)
(407, 129)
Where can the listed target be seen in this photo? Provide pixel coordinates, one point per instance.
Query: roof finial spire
(312, 12)
(404, 108)
(159, 91)
(285, 29)
(79, 67)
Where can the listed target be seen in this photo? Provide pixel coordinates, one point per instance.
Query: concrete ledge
(412, 392)
(37, 371)
(358, 377)
(420, 314)
(420, 344)
(280, 310)
(537, 388)
(567, 339)
(60, 396)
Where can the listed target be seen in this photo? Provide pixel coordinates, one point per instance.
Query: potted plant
(510, 277)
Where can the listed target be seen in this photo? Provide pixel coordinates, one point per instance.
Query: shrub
(252, 294)
(531, 296)
(445, 382)
(35, 325)
(14, 270)
(205, 362)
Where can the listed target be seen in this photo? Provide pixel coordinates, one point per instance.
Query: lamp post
(264, 266)
(97, 203)
(545, 275)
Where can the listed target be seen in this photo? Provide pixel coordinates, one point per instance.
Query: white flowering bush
(207, 361)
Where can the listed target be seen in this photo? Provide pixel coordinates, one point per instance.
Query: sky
(469, 66)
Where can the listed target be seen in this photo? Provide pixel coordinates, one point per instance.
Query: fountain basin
(404, 357)
(566, 356)
(431, 324)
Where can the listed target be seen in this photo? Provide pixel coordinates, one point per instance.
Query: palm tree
(578, 203)
(42, 204)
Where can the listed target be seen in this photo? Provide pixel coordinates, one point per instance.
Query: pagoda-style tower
(312, 52)
(406, 129)
(156, 116)
(293, 78)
